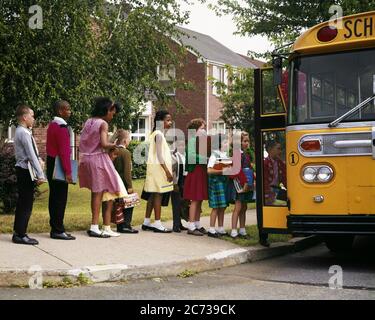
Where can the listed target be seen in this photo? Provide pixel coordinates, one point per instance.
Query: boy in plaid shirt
(217, 184)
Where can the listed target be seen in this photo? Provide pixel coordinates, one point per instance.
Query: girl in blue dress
(242, 199)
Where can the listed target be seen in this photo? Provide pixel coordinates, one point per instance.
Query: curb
(120, 272)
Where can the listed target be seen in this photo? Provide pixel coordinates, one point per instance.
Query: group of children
(192, 177)
(105, 169)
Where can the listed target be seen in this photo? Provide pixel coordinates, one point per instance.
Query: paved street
(302, 275)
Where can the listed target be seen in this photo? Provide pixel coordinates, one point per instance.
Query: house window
(166, 76)
(140, 129)
(220, 74)
(219, 126)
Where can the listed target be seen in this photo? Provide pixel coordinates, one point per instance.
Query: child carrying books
(217, 184)
(123, 165)
(241, 197)
(27, 160)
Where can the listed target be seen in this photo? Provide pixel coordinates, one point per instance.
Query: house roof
(255, 62)
(213, 50)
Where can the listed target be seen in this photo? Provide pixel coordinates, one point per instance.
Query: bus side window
(274, 169)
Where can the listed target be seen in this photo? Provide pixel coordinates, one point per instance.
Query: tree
(238, 99)
(76, 50)
(282, 21)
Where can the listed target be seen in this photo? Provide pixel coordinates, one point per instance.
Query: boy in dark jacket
(123, 165)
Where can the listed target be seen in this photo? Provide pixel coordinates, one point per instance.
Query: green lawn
(78, 213)
(252, 231)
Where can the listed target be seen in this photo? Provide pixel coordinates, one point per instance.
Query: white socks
(147, 222)
(157, 224)
(95, 228)
(211, 230)
(197, 224)
(191, 226)
(242, 232)
(108, 231)
(234, 233)
(221, 230)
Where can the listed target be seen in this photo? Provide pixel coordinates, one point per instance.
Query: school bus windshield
(323, 87)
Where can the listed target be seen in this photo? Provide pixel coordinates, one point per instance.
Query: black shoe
(177, 230)
(127, 230)
(264, 242)
(147, 228)
(182, 228)
(195, 232)
(62, 236)
(164, 230)
(202, 230)
(225, 234)
(97, 235)
(24, 240)
(213, 235)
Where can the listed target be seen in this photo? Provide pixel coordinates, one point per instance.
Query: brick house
(206, 59)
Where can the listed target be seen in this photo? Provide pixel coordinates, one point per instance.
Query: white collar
(121, 146)
(60, 121)
(25, 129)
(221, 154)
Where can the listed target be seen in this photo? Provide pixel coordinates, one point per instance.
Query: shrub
(8, 179)
(139, 159)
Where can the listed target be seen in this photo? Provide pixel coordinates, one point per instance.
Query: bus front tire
(339, 243)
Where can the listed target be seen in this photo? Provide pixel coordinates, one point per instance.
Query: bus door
(271, 184)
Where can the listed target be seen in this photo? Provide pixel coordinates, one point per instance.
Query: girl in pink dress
(96, 171)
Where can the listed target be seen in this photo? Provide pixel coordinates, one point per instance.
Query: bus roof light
(327, 34)
(311, 145)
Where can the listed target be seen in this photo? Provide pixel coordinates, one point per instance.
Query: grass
(67, 282)
(187, 274)
(78, 212)
(252, 231)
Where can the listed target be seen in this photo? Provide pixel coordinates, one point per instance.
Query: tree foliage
(238, 99)
(281, 21)
(84, 49)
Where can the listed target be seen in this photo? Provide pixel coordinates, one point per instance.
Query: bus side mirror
(277, 64)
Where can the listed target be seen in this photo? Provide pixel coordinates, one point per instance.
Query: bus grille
(329, 141)
(341, 144)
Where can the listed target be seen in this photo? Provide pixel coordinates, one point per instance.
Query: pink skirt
(97, 173)
(196, 184)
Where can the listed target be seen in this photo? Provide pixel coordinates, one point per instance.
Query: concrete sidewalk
(146, 254)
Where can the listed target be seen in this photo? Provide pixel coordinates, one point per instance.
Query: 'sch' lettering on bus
(359, 28)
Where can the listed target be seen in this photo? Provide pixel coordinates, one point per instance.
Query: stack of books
(58, 172)
(132, 200)
(222, 163)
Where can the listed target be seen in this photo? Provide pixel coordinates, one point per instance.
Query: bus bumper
(302, 225)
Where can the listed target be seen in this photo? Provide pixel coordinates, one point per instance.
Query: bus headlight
(325, 174)
(309, 174)
(317, 174)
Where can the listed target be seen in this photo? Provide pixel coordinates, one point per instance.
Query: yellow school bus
(323, 127)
